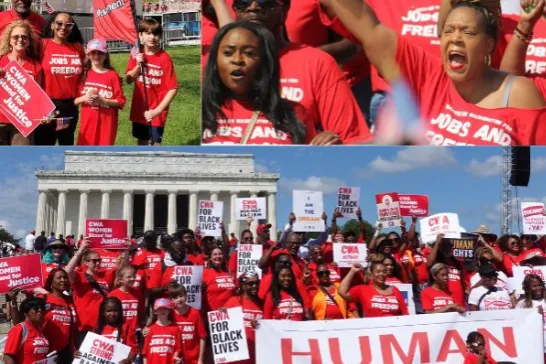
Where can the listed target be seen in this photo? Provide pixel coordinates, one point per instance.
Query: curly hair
(527, 296)
(75, 35)
(33, 50)
(48, 285)
(503, 241)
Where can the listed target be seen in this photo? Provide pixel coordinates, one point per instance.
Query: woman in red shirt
(242, 101)
(26, 343)
(377, 299)
(317, 258)
(471, 102)
(284, 302)
(514, 254)
(62, 61)
(218, 282)
(252, 307)
(19, 43)
(326, 301)
(393, 270)
(437, 298)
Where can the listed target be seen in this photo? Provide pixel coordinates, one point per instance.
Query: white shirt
(536, 304)
(495, 300)
(29, 242)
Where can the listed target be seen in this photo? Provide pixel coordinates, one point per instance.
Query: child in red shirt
(154, 92)
(101, 97)
(475, 343)
(163, 344)
(131, 298)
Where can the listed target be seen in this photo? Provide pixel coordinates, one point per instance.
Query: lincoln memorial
(151, 190)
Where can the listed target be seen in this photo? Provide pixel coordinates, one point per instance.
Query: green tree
(354, 225)
(7, 236)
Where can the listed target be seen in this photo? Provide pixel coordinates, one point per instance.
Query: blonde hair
(33, 50)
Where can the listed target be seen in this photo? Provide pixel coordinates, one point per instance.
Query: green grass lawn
(184, 121)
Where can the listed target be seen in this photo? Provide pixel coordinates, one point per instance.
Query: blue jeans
(378, 99)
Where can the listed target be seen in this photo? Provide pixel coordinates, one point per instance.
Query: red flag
(48, 8)
(113, 20)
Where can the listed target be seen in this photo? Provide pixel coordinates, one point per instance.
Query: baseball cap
(163, 303)
(262, 227)
(97, 45)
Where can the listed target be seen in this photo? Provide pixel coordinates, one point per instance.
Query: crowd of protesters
(81, 83)
(322, 72)
(130, 296)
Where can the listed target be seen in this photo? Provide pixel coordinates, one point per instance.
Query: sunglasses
(61, 24)
(251, 284)
(267, 5)
(286, 264)
(322, 273)
(395, 240)
(24, 38)
(94, 261)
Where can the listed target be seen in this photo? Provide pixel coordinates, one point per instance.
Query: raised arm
(373, 243)
(431, 259)
(361, 223)
(445, 7)
(71, 266)
(223, 14)
(334, 228)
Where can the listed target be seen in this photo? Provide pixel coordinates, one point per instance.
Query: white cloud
(260, 168)
(538, 164)
(490, 167)
(493, 213)
(50, 161)
(313, 183)
(19, 195)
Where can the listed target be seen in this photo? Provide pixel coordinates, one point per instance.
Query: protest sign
(24, 103)
(348, 201)
(191, 277)
(413, 205)
(106, 233)
(407, 292)
(53, 359)
(228, 335)
(511, 336)
(210, 217)
(464, 248)
(534, 221)
(251, 207)
(519, 274)
(308, 208)
(100, 350)
(345, 255)
(444, 223)
(388, 209)
(248, 257)
(24, 272)
(113, 20)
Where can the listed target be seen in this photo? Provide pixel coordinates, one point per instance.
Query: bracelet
(521, 38)
(523, 34)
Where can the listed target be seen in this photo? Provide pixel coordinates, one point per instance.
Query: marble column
(41, 214)
(255, 222)
(192, 210)
(61, 214)
(128, 211)
(105, 204)
(83, 212)
(272, 214)
(149, 211)
(171, 216)
(234, 223)
(47, 217)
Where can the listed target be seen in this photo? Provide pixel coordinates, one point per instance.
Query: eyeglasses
(285, 264)
(478, 344)
(94, 261)
(252, 284)
(395, 240)
(23, 38)
(60, 24)
(322, 273)
(266, 5)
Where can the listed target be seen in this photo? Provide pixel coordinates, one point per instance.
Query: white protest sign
(228, 335)
(251, 207)
(345, 255)
(407, 292)
(534, 221)
(191, 277)
(388, 209)
(210, 217)
(445, 223)
(519, 273)
(348, 201)
(248, 257)
(308, 208)
(98, 349)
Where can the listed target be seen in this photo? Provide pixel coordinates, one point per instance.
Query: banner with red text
(251, 207)
(24, 271)
(511, 336)
(388, 209)
(113, 20)
(445, 223)
(348, 201)
(98, 349)
(413, 205)
(24, 103)
(191, 277)
(534, 221)
(106, 233)
(228, 335)
(345, 255)
(248, 257)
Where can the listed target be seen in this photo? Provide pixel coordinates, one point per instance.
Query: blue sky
(461, 180)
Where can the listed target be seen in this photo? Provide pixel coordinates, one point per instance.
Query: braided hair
(102, 313)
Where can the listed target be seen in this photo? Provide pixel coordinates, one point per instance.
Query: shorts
(142, 132)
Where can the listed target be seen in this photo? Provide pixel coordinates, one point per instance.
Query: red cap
(262, 227)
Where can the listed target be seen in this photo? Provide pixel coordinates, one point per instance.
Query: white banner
(445, 223)
(407, 292)
(345, 255)
(534, 221)
(348, 201)
(513, 336)
(388, 209)
(308, 208)
(98, 349)
(228, 335)
(251, 207)
(519, 274)
(210, 217)
(191, 277)
(248, 257)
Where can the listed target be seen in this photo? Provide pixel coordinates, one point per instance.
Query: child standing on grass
(101, 97)
(152, 94)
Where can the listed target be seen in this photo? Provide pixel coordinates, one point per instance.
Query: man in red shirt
(20, 10)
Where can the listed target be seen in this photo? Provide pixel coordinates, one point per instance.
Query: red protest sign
(23, 102)
(413, 205)
(388, 209)
(24, 272)
(113, 20)
(106, 233)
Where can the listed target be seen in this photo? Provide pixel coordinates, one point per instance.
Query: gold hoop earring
(487, 60)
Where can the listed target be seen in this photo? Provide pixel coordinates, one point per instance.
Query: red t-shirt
(35, 347)
(132, 303)
(287, 308)
(162, 343)
(58, 322)
(265, 287)
(127, 336)
(376, 304)
(160, 79)
(110, 259)
(151, 260)
(432, 298)
(220, 287)
(509, 261)
(193, 331)
(99, 124)
(455, 285)
(196, 259)
(334, 273)
(87, 299)
(419, 265)
(36, 21)
(251, 311)
(63, 66)
(33, 68)
(472, 358)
